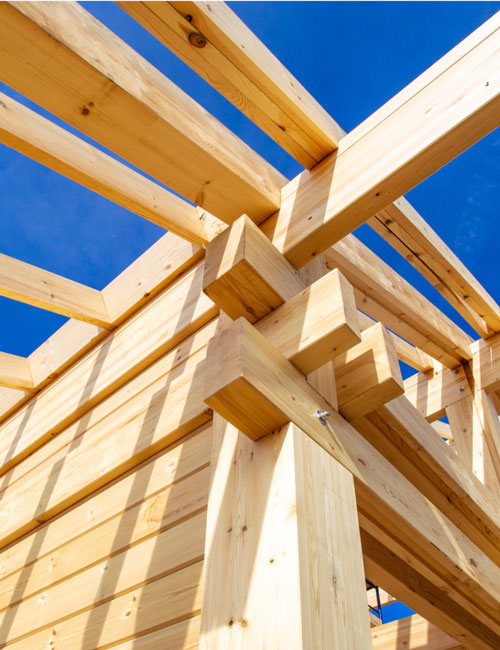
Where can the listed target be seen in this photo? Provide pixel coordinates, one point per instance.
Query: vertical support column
(283, 561)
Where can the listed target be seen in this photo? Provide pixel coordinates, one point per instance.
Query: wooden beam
(36, 137)
(280, 572)
(211, 39)
(89, 88)
(15, 372)
(470, 434)
(368, 375)
(412, 633)
(252, 384)
(137, 284)
(407, 353)
(244, 273)
(161, 325)
(385, 598)
(402, 227)
(404, 437)
(40, 288)
(373, 166)
(431, 393)
(315, 326)
(379, 281)
(408, 577)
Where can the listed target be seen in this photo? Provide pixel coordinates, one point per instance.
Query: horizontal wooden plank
(162, 324)
(15, 372)
(412, 633)
(453, 109)
(40, 288)
(139, 282)
(241, 68)
(119, 99)
(315, 326)
(277, 390)
(104, 510)
(32, 135)
(149, 560)
(162, 602)
(181, 636)
(407, 353)
(164, 509)
(166, 409)
(379, 281)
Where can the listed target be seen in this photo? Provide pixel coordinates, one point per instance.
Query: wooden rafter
(35, 286)
(115, 96)
(373, 165)
(220, 47)
(50, 145)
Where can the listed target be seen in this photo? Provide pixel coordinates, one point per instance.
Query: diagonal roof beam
(210, 38)
(112, 94)
(38, 138)
(374, 164)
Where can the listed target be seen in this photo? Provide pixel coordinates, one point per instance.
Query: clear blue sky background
(353, 57)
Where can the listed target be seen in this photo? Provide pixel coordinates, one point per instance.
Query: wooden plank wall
(102, 525)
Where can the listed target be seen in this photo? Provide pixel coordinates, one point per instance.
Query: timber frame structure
(216, 449)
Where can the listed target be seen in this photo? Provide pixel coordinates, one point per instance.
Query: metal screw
(461, 389)
(322, 415)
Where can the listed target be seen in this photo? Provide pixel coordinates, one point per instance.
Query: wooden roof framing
(215, 333)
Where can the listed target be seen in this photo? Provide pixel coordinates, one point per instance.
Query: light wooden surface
(368, 375)
(315, 326)
(431, 393)
(15, 372)
(245, 275)
(120, 100)
(379, 281)
(453, 110)
(402, 227)
(159, 327)
(283, 558)
(242, 69)
(258, 388)
(39, 139)
(40, 288)
(137, 284)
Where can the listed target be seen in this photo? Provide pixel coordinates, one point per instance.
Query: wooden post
(283, 562)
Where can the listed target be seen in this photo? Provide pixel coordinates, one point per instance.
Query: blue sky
(353, 57)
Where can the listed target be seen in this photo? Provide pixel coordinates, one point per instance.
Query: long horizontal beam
(40, 288)
(15, 372)
(116, 97)
(373, 166)
(40, 139)
(210, 38)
